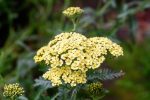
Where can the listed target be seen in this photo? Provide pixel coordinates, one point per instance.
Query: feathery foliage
(43, 83)
(105, 74)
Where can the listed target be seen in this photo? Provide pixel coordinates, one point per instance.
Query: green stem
(74, 25)
(54, 98)
(12, 98)
(2, 81)
(95, 98)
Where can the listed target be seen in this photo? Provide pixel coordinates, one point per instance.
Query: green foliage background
(26, 25)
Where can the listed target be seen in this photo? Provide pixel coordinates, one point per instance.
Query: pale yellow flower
(64, 74)
(73, 11)
(13, 90)
(77, 54)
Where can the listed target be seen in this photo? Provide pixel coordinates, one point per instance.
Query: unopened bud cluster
(13, 90)
(95, 88)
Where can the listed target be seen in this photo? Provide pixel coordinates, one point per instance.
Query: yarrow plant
(72, 58)
(70, 55)
(13, 90)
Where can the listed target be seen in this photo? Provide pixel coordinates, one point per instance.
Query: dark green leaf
(105, 74)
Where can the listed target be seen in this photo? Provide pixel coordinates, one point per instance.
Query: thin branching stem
(74, 25)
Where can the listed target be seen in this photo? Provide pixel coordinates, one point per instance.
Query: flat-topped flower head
(73, 11)
(76, 54)
(13, 90)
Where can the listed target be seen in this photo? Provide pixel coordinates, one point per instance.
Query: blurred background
(26, 25)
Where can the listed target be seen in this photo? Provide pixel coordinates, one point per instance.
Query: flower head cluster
(72, 11)
(66, 74)
(95, 88)
(13, 90)
(76, 54)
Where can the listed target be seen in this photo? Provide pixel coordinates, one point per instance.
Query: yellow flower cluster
(95, 88)
(73, 11)
(76, 54)
(66, 74)
(13, 90)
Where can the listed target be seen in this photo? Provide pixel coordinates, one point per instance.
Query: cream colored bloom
(66, 75)
(76, 54)
(73, 11)
(13, 90)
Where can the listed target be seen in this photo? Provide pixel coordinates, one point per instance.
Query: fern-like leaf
(105, 74)
(42, 82)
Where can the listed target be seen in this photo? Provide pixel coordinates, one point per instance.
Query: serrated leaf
(63, 93)
(74, 93)
(22, 98)
(105, 74)
(25, 64)
(42, 82)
